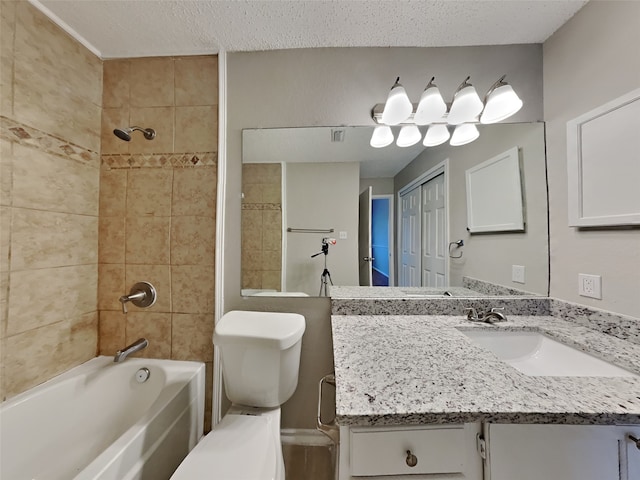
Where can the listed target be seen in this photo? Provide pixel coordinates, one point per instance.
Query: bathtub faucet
(136, 346)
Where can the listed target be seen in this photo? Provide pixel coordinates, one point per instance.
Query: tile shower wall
(50, 90)
(261, 226)
(157, 206)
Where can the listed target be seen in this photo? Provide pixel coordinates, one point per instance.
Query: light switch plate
(517, 273)
(590, 286)
(343, 235)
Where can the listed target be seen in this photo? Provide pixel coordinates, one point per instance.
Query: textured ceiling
(136, 28)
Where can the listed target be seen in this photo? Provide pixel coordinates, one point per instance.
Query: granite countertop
(355, 292)
(415, 369)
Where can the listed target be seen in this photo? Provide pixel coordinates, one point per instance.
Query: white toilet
(260, 353)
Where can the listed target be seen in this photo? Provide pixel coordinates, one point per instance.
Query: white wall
(592, 59)
(321, 196)
(380, 186)
(489, 256)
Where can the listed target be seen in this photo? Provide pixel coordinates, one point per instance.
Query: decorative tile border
(262, 206)
(14, 131)
(159, 160)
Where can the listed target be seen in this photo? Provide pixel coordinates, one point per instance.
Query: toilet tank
(260, 356)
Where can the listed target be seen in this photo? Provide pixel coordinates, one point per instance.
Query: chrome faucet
(492, 316)
(136, 346)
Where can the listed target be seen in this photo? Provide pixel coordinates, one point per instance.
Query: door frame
(392, 256)
(365, 267)
(438, 169)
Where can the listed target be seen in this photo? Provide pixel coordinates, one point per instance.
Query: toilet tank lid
(273, 329)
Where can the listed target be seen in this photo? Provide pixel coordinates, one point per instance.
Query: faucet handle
(472, 314)
(142, 295)
(123, 300)
(496, 309)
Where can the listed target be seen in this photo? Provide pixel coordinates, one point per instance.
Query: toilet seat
(240, 448)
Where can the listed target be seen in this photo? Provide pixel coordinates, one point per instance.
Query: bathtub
(96, 422)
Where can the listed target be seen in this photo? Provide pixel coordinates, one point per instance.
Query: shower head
(125, 133)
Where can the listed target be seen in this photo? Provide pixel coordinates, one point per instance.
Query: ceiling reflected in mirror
(320, 145)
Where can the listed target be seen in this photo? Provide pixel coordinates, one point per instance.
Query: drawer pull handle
(412, 460)
(634, 439)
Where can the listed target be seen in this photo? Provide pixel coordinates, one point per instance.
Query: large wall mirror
(302, 199)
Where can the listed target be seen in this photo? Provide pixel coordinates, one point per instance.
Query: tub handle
(142, 295)
(330, 429)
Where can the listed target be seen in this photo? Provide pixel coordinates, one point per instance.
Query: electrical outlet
(590, 286)
(517, 273)
(343, 235)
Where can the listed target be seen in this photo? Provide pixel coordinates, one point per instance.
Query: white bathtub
(96, 422)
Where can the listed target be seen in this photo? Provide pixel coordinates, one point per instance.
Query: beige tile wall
(157, 206)
(261, 226)
(75, 236)
(50, 90)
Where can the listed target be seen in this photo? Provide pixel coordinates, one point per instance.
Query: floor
(309, 462)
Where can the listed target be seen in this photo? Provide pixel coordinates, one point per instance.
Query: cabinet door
(561, 452)
(434, 452)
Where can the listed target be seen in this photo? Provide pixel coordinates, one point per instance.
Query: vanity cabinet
(561, 452)
(510, 452)
(433, 452)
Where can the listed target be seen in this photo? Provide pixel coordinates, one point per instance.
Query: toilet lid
(240, 448)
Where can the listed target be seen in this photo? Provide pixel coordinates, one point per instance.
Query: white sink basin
(535, 354)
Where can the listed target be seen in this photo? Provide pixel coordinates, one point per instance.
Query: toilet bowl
(260, 357)
(243, 446)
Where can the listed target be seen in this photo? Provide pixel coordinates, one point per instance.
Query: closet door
(434, 265)
(410, 238)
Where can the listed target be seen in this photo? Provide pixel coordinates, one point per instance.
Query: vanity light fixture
(465, 112)
(463, 134)
(500, 102)
(398, 107)
(409, 135)
(436, 135)
(382, 136)
(466, 104)
(431, 107)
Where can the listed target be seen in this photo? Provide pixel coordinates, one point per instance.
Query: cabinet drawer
(384, 451)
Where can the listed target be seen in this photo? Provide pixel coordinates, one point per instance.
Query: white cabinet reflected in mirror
(494, 194)
(300, 212)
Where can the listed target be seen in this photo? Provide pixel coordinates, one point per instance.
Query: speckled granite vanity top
(341, 292)
(414, 369)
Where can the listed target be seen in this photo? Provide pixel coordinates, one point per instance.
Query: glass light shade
(436, 135)
(466, 106)
(382, 136)
(398, 107)
(431, 107)
(501, 103)
(463, 134)
(409, 135)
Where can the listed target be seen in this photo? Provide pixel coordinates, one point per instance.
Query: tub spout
(136, 346)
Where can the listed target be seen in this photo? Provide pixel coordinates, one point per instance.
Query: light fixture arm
(463, 85)
(431, 84)
(499, 83)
